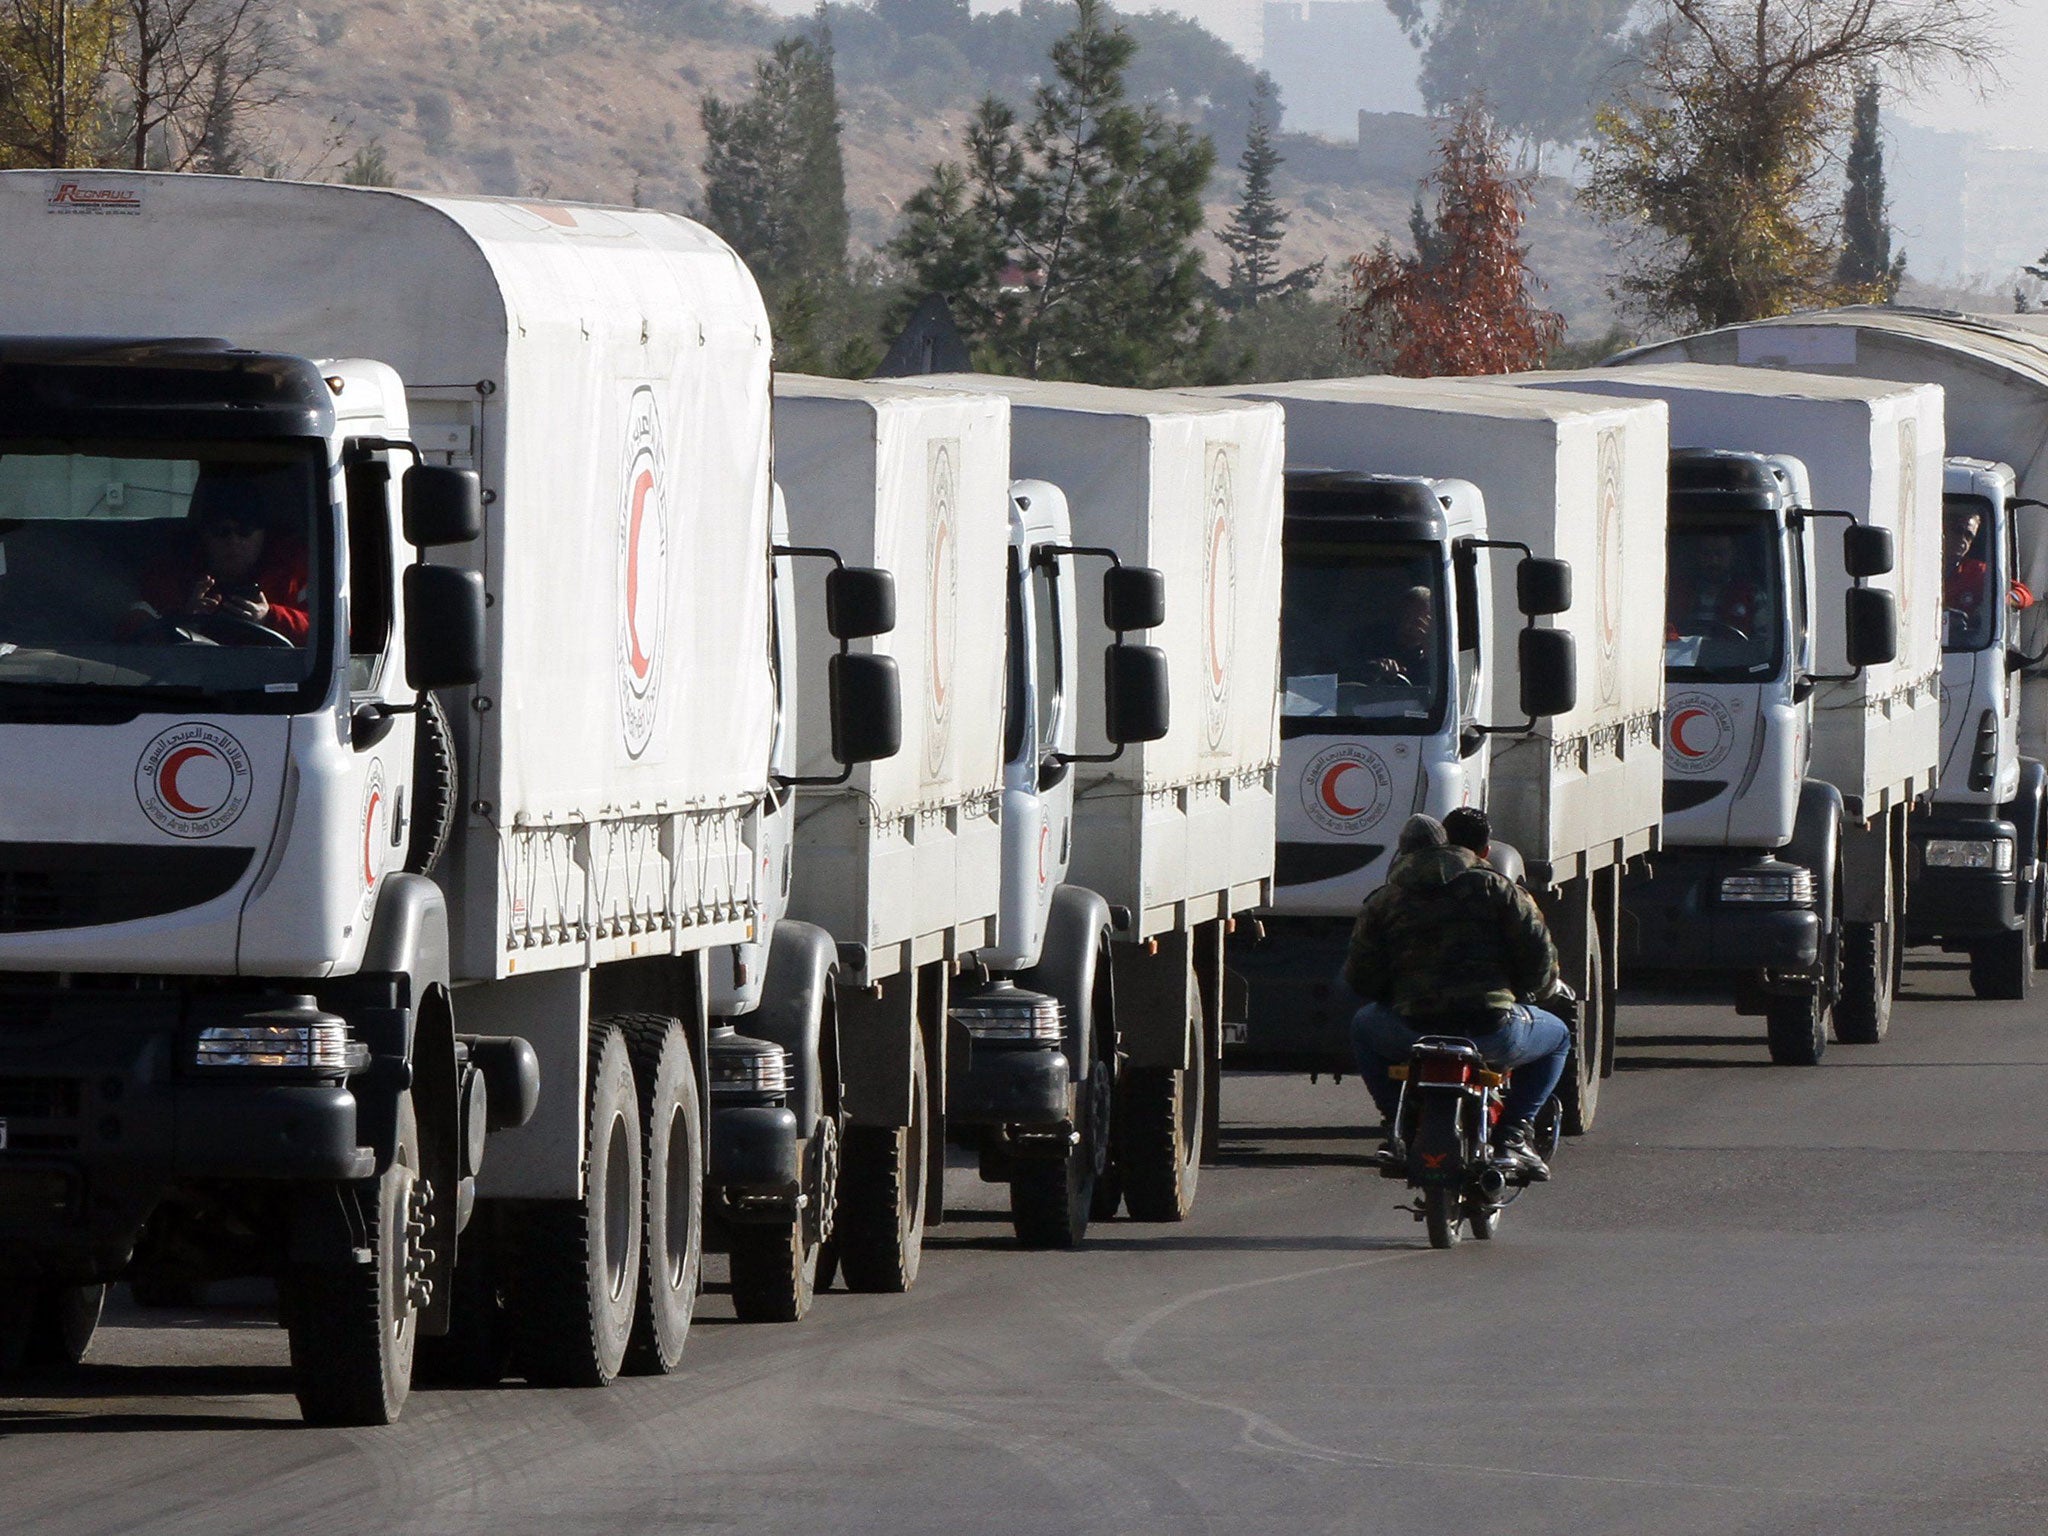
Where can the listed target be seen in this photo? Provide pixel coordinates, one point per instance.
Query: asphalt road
(1756, 1300)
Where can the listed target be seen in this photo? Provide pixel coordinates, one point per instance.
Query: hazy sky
(2017, 111)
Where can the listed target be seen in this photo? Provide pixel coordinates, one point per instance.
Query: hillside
(558, 98)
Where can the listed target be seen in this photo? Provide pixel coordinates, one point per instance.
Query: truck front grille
(82, 885)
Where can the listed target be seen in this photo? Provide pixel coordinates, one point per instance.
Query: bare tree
(53, 64)
(1719, 164)
(192, 69)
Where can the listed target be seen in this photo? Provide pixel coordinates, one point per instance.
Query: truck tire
(436, 787)
(1796, 1028)
(1869, 967)
(775, 1268)
(1579, 1090)
(878, 1230)
(1159, 1130)
(672, 1190)
(572, 1273)
(45, 1329)
(352, 1326)
(2002, 966)
(1052, 1197)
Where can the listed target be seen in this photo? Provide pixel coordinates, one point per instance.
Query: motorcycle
(1450, 1104)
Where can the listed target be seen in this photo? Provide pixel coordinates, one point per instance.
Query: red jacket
(281, 576)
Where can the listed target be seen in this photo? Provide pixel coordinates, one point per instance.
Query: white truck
(308, 967)
(1429, 525)
(1803, 703)
(1082, 1062)
(1980, 847)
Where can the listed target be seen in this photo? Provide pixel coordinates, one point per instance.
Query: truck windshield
(1723, 614)
(1969, 574)
(1362, 638)
(145, 569)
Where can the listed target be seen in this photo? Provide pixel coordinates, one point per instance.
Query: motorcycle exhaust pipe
(1492, 1182)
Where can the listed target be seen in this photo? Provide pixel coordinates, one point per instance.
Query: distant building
(1333, 59)
(1962, 206)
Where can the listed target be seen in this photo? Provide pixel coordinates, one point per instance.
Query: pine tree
(1258, 224)
(1469, 310)
(1065, 245)
(775, 188)
(1867, 266)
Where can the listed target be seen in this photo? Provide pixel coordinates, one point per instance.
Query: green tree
(1867, 263)
(1258, 223)
(1463, 303)
(1715, 165)
(54, 60)
(775, 189)
(1540, 64)
(1065, 244)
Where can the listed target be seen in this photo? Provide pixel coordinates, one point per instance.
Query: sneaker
(1517, 1149)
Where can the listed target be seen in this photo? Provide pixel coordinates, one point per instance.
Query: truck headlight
(1004, 1013)
(740, 1064)
(318, 1045)
(1786, 886)
(1992, 853)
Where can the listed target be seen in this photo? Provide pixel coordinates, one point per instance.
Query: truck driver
(233, 563)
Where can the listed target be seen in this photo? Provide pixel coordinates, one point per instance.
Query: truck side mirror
(1133, 597)
(1543, 586)
(860, 603)
(1550, 672)
(1872, 625)
(1867, 552)
(442, 505)
(867, 706)
(444, 628)
(1135, 698)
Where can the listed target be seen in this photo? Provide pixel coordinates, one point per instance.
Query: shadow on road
(58, 1422)
(1224, 1243)
(1628, 1063)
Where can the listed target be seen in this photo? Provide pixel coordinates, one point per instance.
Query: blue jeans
(1533, 1043)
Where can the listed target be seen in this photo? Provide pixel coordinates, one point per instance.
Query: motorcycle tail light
(1442, 1069)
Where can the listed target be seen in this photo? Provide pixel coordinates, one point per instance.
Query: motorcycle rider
(1448, 946)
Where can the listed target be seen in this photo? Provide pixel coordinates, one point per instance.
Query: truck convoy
(1429, 526)
(396, 936)
(1979, 845)
(1801, 721)
(1081, 1068)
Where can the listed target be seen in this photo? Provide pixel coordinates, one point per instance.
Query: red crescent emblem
(636, 658)
(369, 826)
(1328, 790)
(1044, 837)
(1679, 722)
(167, 780)
(938, 565)
(1217, 535)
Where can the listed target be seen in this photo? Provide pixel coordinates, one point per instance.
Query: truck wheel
(1050, 1197)
(352, 1326)
(573, 1266)
(45, 1330)
(2002, 967)
(1579, 1092)
(879, 1227)
(1159, 1132)
(672, 1190)
(1869, 965)
(1797, 1029)
(436, 787)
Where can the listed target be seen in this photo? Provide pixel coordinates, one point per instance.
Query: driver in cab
(1713, 598)
(231, 564)
(1407, 659)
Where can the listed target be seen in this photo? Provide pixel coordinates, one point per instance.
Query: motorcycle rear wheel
(1443, 1212)
(1484, 1220)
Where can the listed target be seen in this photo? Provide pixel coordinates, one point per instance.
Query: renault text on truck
(1977, 855)
(1431, 529)
(1803, 697)
(362, 890)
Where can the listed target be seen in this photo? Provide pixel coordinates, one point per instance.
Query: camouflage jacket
(1448, 935)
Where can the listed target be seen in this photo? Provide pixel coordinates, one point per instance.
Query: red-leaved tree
(1462, 303)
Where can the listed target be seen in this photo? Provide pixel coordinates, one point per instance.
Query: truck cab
(1751, 873)
(1976, 853)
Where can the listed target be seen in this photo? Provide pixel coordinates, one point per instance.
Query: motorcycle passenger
(1448, 946)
